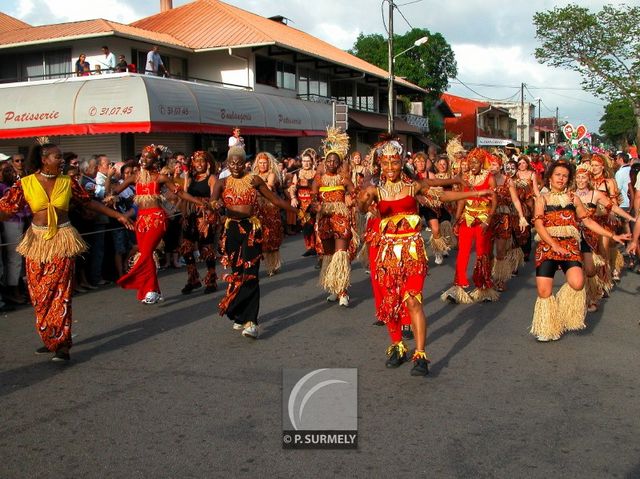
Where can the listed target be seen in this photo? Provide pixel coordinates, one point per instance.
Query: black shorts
(584, 246)
(548, 267)
(427, 213)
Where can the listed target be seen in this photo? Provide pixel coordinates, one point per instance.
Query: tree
(618, 123)
(604, 47)
(429, 66)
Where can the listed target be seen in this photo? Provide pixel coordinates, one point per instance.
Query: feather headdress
(337, 141)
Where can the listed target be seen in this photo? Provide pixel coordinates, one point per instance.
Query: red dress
(401, 261)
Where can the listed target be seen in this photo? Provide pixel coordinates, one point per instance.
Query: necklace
(48, 175)
(239, 185)
(475, 180)
(393, 189)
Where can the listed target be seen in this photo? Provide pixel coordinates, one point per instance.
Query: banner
(485, 141)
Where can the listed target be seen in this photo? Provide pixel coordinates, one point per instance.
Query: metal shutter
(85, 146)
(175, 141)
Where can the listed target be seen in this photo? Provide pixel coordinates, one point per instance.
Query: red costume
(150, 227)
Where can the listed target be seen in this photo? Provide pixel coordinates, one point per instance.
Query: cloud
(39, 12)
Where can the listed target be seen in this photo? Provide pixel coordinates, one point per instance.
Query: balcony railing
(421, 122)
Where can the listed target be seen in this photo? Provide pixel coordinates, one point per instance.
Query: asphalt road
(171, 391)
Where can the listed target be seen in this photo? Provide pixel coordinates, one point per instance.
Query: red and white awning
(130, 103)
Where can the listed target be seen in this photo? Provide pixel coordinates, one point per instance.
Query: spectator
(123, 239)
(82, 65)
(17, 161)
(11, 234)
(98, 70)
(235, 139)
(90, 182)
(623, 178)
(122, 65)
(108, 63)
(154, 65)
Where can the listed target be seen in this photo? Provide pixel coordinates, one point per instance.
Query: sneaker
(439, 259)
(152, 298)
(396, 356)
(309, 252)
(420, 367)
(344, 301)
(42, 350)
(60, 356)
(332, 298)
(377, 322)
(212, 288)
(251, 331)
(237, 326)
(545, 339)
(190, 287)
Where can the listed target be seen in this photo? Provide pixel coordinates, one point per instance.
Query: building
(524, 117)
(545, 131)
(478, 123)
(228, 67)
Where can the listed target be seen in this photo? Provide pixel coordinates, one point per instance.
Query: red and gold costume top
(399, 216)
(560, 218)
(476, 210)
(504, 198)
(239, 191)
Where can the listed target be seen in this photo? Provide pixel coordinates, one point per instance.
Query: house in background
(228, 67)
(478, 123)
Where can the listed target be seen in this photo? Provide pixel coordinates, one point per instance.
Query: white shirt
(153, 63)
(236, 141)
(108, 63)
(623, 178)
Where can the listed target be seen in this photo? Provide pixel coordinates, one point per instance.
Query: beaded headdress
(336, 142)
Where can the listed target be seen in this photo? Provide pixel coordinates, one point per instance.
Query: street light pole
(390, 114)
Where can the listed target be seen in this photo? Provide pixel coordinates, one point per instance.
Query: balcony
(420, 122)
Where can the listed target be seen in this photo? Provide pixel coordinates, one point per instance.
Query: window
(303, 84)
(266, 71)
(286, 76)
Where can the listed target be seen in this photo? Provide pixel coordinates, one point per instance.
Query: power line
(410, 3)
(576, 99)
(484, 96)
(402, 15)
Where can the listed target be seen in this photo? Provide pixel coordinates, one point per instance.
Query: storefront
(117, 114)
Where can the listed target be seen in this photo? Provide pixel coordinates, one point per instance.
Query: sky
(493, 40)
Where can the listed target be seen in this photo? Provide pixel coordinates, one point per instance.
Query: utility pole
(539, 125)
(522, 116)
(556, 136)
(390, 114)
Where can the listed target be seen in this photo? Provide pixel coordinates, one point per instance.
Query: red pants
(150, 228)
(466, 236)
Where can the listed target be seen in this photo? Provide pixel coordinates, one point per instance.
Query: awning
(378, 122)
(130, 103)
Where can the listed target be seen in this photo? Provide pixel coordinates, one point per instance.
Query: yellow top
(325, 189)
(38, 200)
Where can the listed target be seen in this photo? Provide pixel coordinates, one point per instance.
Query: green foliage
(604, 47)
(618, 123)
(429, 66)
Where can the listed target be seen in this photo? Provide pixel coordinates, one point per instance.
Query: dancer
(400, 258)
(301, 197)
(199, 225)
(268, 214)
(591, 244)
(241, 240)
(151, 223)
(602, 181)
(502, 225)
(526, 183)
(332, 195)
(556, 221)
(474, 218)
(51, 243)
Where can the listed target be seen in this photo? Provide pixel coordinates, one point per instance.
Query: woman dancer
(242, 240)
(502, 226)
(591, 244)
(268, 214)
(474, 218)
(51, 243)
(301, 197)
(331, 193)
(556, 220)
(401, 261)
(526, 183)
(602, 182)
(151, 223)
(199, 225)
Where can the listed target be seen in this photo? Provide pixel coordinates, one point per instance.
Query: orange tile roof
(8, 23)
(212, 24)
(65, 31)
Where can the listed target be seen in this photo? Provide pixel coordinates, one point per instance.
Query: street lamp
(392, 61)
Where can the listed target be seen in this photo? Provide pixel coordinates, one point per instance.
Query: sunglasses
(18, 161)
